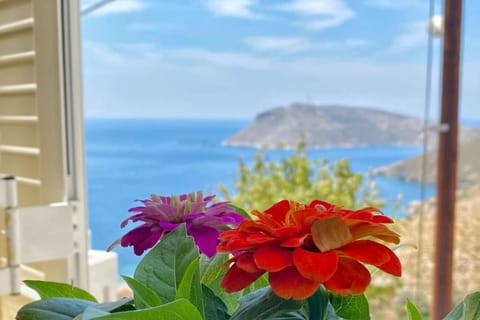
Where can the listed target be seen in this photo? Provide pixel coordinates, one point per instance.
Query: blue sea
(130, 159)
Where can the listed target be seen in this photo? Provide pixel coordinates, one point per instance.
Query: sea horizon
(462, 121)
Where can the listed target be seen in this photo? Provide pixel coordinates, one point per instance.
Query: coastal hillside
(410, 169)
(331, 126)
(419, 252)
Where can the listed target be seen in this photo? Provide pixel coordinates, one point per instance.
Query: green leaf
(53, 309)
(331, 314)
(91, 313)
(412, 311)
(260, 283)
(177, 310)
(190, 287)
(48, 289)
(124, 304)
(468, 309)
(317, 304)
(293, 315)
(351, 307)
(215, 309)
(241, 211)
(212, 268)
(264, 304)
(472, 306)
(144, 296)
(230, 299)
(163, 267)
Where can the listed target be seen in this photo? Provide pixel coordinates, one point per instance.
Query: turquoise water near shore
(129, 159)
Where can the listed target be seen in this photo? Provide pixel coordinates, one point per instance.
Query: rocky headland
(321, 126)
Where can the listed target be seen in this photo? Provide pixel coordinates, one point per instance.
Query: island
(323, 126)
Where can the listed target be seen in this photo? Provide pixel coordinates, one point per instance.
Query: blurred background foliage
(296, 177)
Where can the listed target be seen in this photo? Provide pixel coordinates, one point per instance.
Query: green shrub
(300, 178)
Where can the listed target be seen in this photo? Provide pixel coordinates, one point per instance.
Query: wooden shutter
(41, 122)
(31, 112)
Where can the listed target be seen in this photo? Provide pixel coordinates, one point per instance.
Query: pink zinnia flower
(163, 214)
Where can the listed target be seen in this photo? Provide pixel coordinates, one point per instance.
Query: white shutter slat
(17, 57)
(18, 119)
(13, 10)
(18, 89)
(21, 165)
(20, 72)
(20, 150)
(12, 43)
(16, 26)
(22, 105)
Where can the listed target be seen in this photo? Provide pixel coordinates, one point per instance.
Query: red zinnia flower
(304, 246)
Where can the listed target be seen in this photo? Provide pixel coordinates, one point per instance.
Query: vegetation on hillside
(297, 177)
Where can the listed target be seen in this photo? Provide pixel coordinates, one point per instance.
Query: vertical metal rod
(426, 133)
(447, 162)
(13, 235)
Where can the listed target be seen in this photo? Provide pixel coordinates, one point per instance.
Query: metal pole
(447, 162)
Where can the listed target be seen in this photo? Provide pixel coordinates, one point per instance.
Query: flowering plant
(217, 262)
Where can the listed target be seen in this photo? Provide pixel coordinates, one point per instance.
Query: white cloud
(107, 55)
(103, 54)
(397, 4)
(356, 43)
(414, 36)
(323, 14)
(143, 27)
(299, 44)
(234, 8)
(224, 59)
(114, 7)
(280, 44)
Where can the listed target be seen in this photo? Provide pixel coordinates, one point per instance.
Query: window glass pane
(177, 91)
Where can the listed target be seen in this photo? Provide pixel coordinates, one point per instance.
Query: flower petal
(141, 238)
(293, 242)
(236, 243)
(273, 258)
(168, 226)
(351, 277)
(321, 205)
(246, 262)
(205, 238)
(330, 233)
(315, 266)
(382, 219)
(289, 284)
(279, 210)
(237, 279)
(374, 253)
(361, 229)
(258, 238)
(256, 226)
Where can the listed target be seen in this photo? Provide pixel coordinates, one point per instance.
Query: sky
(219, 59)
